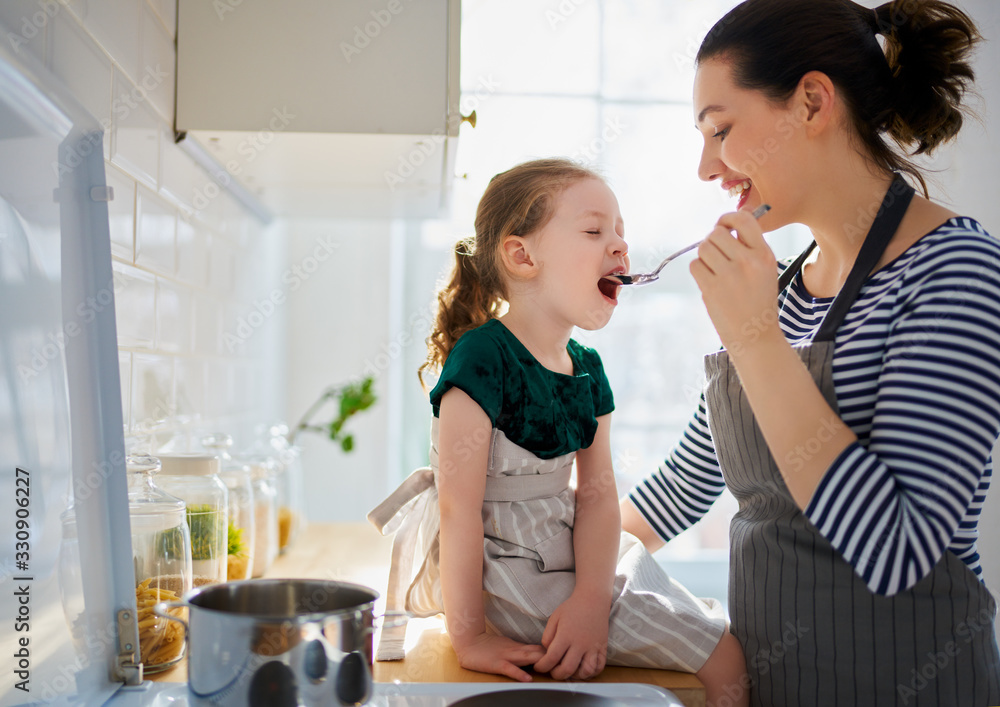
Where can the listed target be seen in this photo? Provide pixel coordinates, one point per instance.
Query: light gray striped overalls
(811, 630)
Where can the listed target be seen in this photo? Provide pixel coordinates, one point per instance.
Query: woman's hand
(488, 653)
(738, 282)
(576, 639)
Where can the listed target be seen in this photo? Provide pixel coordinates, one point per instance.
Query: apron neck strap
(890, 214)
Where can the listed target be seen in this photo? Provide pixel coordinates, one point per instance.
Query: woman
(854, 407)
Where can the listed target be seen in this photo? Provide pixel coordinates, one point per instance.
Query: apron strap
(890, 214)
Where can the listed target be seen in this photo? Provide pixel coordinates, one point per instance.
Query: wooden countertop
(355, 552)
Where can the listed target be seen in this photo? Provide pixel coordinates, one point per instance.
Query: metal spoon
(646, 278)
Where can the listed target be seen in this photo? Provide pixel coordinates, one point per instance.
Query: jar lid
(188, 463)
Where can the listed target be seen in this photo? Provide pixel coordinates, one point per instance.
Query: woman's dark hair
(911, 90)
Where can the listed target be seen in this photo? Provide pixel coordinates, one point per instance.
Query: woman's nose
(710, 166)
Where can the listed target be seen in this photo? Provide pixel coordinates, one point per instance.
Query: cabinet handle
(470, 119)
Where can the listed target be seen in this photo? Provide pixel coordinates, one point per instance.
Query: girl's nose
(619, 246)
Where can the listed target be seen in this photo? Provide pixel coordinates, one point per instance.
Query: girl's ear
(516, 257)
(816, 96)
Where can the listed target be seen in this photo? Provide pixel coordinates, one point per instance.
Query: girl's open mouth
(608, 288)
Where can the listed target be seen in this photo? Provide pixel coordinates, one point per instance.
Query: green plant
(235, 539)
(208, 532)
(351, 398)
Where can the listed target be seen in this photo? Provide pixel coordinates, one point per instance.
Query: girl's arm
(576, 636)
(464, 435)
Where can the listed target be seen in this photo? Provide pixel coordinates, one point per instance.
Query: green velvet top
(545, 412)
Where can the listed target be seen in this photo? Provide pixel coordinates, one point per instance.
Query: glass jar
(161, 555)
(242, 529)
(265, 500)
(194, 478)
(272, 441)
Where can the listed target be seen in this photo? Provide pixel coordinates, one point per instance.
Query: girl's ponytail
(466, 302)
(927, 46)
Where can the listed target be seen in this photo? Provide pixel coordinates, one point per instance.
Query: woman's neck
(546, 341)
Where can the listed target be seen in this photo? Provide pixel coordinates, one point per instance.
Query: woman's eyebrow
(708, 109)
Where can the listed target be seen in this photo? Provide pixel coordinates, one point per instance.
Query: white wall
(189, 262)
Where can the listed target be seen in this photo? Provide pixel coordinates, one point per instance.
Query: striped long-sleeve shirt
(916, 371)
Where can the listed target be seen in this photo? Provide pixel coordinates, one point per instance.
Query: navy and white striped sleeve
(892, 508)
(685, 486)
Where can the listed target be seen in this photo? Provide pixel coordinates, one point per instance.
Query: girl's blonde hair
(517, 202)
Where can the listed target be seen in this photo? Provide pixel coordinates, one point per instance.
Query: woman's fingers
(746, 227)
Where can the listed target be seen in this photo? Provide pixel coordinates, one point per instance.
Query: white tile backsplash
(192, 252)
(155, 234)
(173, 317)
(177, 242)
(26, 25)
(152, 390)
(115, 26)
(135, 301)
(158, 62)
(137, 128)
(121, 214)
(83, 66)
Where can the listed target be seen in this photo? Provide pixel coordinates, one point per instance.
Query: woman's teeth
(739, 188)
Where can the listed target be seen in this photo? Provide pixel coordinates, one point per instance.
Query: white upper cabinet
(325, 107)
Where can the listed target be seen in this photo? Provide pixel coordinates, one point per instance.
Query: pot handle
(160, 610)
(392, 619)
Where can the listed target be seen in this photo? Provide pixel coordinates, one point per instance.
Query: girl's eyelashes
(595, 232)
(721, 134)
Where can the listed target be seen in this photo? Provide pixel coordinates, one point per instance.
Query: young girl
(528, 570)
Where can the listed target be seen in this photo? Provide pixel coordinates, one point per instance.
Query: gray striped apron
(811, 630)
(529, 566)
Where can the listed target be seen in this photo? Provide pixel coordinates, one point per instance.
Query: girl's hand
(576, 640)
(738, 281)
(488, 653)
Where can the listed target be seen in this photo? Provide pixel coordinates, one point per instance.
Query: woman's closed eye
(721, 133)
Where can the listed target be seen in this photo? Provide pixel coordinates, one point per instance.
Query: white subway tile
(222, 267)
(166, 10)
(137, 129)
(192, 252)
(155, 233)
(219, 389)
(189, 384)
(174, 324)
(83, 66)
(135, 300)
(121, 213)
(152, 390)
(158, 62)
(27, 25)
(180, 177)
(115, 26)
(207, 326)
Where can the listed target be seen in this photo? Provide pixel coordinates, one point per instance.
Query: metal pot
(278, 642)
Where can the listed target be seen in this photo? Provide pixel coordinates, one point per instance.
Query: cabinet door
(335, 66)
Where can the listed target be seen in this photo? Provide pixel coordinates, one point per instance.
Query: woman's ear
(816, 97)
(517, 257)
